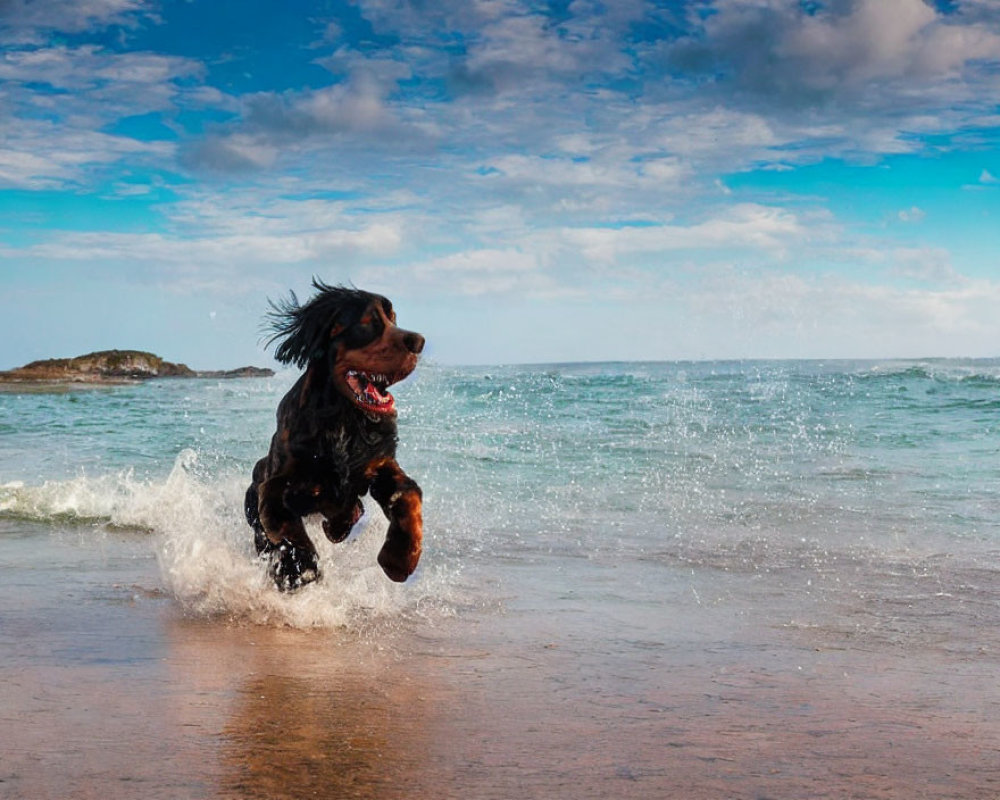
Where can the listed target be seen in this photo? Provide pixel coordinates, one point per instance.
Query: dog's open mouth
(370, 390)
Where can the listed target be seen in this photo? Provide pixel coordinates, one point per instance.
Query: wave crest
(204, 548)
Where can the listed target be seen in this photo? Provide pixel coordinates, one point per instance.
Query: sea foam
(204, 548)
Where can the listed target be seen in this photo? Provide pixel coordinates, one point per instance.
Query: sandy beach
(109, 690)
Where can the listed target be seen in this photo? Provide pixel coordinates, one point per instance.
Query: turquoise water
(540, 474)
(639, 580)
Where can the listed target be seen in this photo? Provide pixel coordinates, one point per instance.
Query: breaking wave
(206, 557)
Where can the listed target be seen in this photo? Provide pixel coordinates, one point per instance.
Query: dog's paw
(400, 554)
(397, 566)
(291, 567)
(339, 527)
(403, 541)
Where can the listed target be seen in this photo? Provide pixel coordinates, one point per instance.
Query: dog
(336, 434)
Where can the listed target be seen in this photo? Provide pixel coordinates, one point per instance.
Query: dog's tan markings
(372, 468)
(336, 330)
(388, 317)
(404, 541)
(401, 500)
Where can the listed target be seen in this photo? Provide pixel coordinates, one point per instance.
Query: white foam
(204, 548)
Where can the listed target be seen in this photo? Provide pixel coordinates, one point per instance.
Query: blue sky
(528, 181)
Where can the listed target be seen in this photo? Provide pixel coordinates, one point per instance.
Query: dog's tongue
(367, 392)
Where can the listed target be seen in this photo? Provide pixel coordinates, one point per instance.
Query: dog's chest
(342, 455)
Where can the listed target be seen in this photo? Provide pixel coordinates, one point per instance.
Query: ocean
(718, 579)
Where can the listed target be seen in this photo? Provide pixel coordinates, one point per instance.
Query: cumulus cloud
(53, 135)
(850, 50)
(512, 52)
(352, 113)
(94, 81)
(221, 250)
(27, 20)
(40, 155)
(584, 180)
(744, 226)
(481, 272)
(356, 108)
(235, 153)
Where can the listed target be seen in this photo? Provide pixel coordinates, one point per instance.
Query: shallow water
(639, 580)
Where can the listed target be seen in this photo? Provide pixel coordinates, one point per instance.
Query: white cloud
(478, 262)
(987, 177)
(222, 250)
(846, 79)
(925, 264)
(604, 171)
(27, 20)
(768, 313)
(236, 152)
(280, 127)
(142, 80)
(481, 272)
(751, 226)
(52, 137)
(38, 154)
(843, 50)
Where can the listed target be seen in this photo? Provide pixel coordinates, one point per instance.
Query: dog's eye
(363, 332)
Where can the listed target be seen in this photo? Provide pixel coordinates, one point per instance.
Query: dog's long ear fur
(304, 330)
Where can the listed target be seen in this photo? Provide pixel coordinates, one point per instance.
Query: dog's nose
(414, 342)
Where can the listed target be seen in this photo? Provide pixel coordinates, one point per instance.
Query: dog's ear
(305, 331)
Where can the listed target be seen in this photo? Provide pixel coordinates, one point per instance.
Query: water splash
(204, 549)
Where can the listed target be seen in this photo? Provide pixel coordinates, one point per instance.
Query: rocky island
(115, 366)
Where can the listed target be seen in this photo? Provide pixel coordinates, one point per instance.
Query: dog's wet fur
(336, 434)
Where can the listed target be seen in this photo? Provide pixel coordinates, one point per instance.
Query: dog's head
(355, 334)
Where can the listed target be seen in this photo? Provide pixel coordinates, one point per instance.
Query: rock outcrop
(116, 366)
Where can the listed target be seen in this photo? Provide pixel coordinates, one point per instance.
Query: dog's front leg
(402, 501)
(290, 550)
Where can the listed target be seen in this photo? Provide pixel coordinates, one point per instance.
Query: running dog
(336, 434)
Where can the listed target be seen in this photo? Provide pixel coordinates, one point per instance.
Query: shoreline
(35, 385)
(116, 691)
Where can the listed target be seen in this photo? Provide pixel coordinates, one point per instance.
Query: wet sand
(107, 689)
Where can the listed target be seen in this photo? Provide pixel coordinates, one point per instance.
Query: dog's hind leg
(291, 555)
(251, 508)
(251, 502)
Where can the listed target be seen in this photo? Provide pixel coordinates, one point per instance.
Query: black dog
(336, 436)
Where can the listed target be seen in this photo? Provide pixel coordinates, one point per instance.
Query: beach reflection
(306, 714)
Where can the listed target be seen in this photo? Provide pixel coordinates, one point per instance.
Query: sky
(527, 181)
